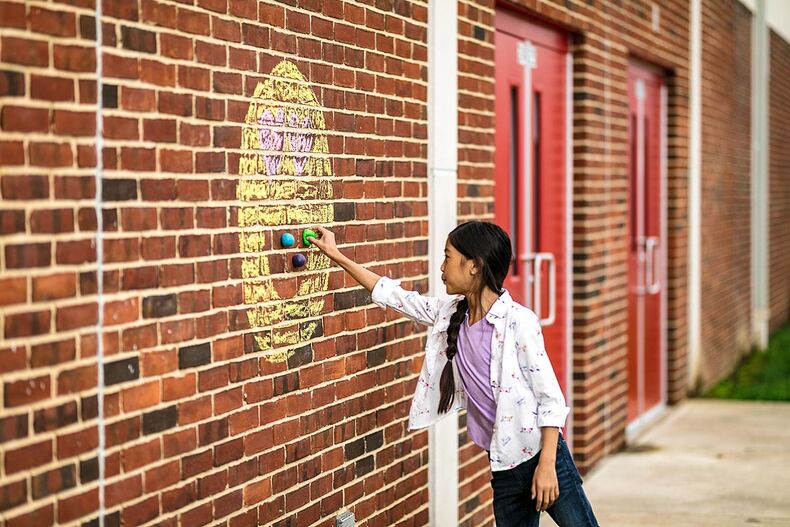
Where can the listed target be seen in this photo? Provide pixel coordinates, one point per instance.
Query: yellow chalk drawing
(285, 153)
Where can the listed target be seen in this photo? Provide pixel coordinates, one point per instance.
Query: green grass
(763, 375)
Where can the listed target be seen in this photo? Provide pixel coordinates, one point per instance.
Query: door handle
(537, 260)
(652, 279)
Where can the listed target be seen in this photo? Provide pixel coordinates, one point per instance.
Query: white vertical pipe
(759, 178)
(694, 192)
(98, 207)
(442, 217)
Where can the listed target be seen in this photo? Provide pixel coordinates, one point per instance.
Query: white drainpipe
(759, 178)
(694, 191)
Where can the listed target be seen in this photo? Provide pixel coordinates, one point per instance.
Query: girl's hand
(325, 242)
(545, 488)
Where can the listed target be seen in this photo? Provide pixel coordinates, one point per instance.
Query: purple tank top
(473, 361)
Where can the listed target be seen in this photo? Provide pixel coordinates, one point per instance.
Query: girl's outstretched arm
(385, 291)
(326, 243)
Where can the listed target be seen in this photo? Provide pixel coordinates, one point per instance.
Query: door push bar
(651, 252)
(537, 260)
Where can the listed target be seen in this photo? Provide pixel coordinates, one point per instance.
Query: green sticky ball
(305, 234)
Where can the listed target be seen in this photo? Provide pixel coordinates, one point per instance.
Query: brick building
(165, 362)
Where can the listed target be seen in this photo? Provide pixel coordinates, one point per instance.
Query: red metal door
(647, 245)
(531, 200)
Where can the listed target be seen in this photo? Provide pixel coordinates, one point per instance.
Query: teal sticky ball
(305, 234)
(287, 239)
(299, 260)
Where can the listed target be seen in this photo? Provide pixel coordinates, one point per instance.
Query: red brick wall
(726, 201)
(779, 182)
(203, 423)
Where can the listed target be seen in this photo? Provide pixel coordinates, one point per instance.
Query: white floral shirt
(523, 382)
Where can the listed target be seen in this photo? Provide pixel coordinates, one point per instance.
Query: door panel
(646, 246)
(531, 179)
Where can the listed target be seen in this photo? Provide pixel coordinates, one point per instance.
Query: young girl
(485, 353)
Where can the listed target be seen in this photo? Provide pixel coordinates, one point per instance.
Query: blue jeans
(513, 503)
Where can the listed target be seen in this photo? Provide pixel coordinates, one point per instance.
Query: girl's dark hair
(489, 246)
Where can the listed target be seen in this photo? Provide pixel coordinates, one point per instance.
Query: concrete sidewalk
(707, 463)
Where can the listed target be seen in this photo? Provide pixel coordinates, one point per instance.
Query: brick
(76, 443)
(211, 109)
(79, 124)
(139, 397)
(121, 128)
(75, 252)
(178, 161)
(52, 221)
(56, 417)
(78, 316)
(56, 23)
(193, 22)
(138, 99)
(13, 15)
(77, 380)
(50, 154)
(176, 103)
(52, 88)
(77, 506)
(24, 51)
(160, 420)
(24, 187)
(138, 159)
(159, 306)
(28, 457)
(52, 353)
(141, 455)
(27, 324)
(78, 59)
(192, 190)
(178, 498)
(12, 153)
(213, 54)
(140, 278)
(179, 387)
(138, 39)
(176, 46)
(141, 337)
(12, 359)
(121, 371)
(121, 250)
(194, 356)
(209, 162)
(24, 119)
(119, 189)
(12, 495)
(12, 290)
(228, 452)
(124, 431)
(157, 363)
(160, 130)
(13, 427)
(158, 73)
(42, 516)
(141, 512)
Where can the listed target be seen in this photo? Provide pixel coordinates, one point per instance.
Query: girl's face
(458, 272)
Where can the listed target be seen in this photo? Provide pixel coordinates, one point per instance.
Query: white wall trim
(694, 194)
(777, 15)
(443, 465)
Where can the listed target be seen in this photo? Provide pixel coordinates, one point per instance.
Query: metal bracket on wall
(345, 519)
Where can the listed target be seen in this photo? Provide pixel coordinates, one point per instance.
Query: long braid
(447, 381)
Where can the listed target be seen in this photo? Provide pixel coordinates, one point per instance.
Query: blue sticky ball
(299, 260)
(287, 239)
